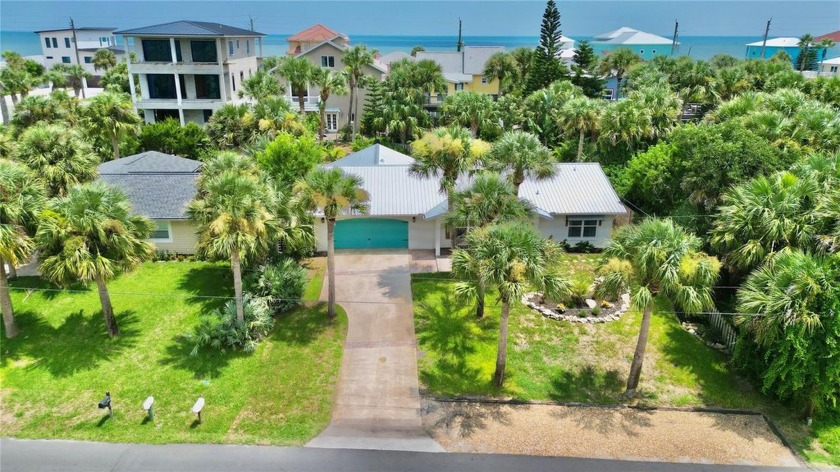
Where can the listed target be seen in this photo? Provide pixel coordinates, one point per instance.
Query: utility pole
(676, 35)
(76, 48)
(766, 32)
(460, 42)
(252, 22)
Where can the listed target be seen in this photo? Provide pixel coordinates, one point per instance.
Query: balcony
(186, 104)
(177, 67)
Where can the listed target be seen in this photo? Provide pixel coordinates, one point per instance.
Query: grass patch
(56, 371)
(315, 269)
(570, 362)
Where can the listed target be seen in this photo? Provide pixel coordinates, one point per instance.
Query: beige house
(159, 186)
(324, 47)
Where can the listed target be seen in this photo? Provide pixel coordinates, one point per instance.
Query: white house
(577, 204)
(59, 47)
(158, 186)
(189, 69)
(830, 67)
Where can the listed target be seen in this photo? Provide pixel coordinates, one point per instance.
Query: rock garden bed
(591, 312)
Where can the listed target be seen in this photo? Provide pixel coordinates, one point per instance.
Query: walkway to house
(377, 404)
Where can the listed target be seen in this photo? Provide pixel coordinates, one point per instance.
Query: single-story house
(159, 186)
(577, 204)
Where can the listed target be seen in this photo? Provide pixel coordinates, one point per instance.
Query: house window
(328, 61)
(237, 44)
(159, 50)
(332, 121)
(55, 42)
(207, 86)
(833, 69)
(248, 47)
(207, 115)
(241, 76)
(484, 80)
(67, 42)
(608, 94)
(203, 51)
(162, 232)
(47, 42)
(459, 87)
(233, 82)
(161, 85)
(583, 228)
(88, 59)
(65, 59)
(230, 48)
(49, 57)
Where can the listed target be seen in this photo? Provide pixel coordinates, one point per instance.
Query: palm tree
(329, 83)
(805, 44)
(469, 109)
(21, 199)
(618, 62)
(824, 46)
(656, 258)
(260, 86)
(91, 235)
(764, 216)
(491, 199)
(521, 154)
(75, 76)
(332, 192)
(446, 153)
(513, 258)
(233, 213)
(114, 114)
(416, 49)
(356, 59)
(522, 59)
(582, 115)
(499, 66)
(61, 157)
(104, 59)
(298, 73)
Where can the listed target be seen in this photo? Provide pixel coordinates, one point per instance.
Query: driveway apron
(377, 404)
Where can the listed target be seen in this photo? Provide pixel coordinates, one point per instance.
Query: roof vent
(382, 161)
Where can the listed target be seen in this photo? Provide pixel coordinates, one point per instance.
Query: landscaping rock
(591, 303)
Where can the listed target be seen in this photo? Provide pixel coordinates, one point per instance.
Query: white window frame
(230, 48)
(326, 60)
(583, 223)
(168, 228)
(459, 87)
(331, 122)
(484, 80)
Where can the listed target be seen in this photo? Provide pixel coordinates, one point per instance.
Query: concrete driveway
(377, 403)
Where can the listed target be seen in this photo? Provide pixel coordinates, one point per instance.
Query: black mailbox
(106, 402)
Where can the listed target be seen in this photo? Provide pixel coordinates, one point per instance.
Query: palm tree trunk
(6, 304)
(331, 268)
(501, 354)
(301, 104)
(474, 128)
(115, 146)
(237, 285)
(107, 309)
(479, 305)
(580, 145)
(639, 356)
(355, 117)
(322, 128)
(350, 120)
(4, 109)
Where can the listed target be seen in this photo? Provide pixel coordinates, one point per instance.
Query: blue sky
(484, 18)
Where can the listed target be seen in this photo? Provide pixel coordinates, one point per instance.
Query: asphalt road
(43, 456)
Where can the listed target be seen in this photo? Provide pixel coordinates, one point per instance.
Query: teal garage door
(361, 233)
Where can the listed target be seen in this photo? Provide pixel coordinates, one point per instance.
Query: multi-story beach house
(59, 47)
(644, 44)
(324, 47)
(464, 70)
(189, 69)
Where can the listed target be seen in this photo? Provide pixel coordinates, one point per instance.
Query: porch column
(260, 40)
(220, 51)
(178, 88)
(172, 48)
(437, 237)
(131, 86)
(181, 116)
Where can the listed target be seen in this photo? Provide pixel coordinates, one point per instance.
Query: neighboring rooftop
(470, 61)
(189, 29)
(778, 43)
(832, 62)
(395, 56)
(376, 155)
(83, 28)
(835, 36)
(316, 34)
(158, 185)
(630, 36)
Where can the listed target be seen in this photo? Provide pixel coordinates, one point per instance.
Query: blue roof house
(646, 45)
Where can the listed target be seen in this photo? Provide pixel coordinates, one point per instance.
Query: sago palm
(331, 192)
(522, 156)
(91, 235)
(513, 258)
(21, 199)
(656, 258)
(60, 157)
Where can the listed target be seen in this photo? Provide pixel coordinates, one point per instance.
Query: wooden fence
(728, 334)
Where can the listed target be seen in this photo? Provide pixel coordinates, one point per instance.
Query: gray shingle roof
(189, 28)
(158, 185)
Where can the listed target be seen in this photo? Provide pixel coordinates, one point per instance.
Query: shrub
(596, 311)
(583, 313)
(584, 247)
(361, 142)
(170, 137)
(221, 330)
(288, 157)
(578, 292)
(283, 283)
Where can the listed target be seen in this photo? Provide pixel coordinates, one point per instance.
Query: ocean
(698, 47)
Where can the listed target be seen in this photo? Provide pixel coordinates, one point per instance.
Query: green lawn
(59, 367)
(571, 362)
(315, 268)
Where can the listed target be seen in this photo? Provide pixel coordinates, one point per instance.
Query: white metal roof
(469, 61)
(393, 191)
(614, 33)
(457, 78)
(832, 61)
(779, 42)
(375, 155)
